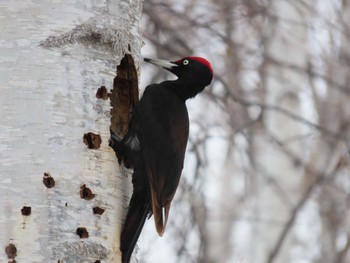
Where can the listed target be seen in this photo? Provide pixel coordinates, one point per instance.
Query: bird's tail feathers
(135, 219)
(160, 214)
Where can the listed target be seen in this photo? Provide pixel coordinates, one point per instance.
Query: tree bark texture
(63, 197)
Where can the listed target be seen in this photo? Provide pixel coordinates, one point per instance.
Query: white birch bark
(53, 57)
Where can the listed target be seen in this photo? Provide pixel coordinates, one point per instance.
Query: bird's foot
(115, 142)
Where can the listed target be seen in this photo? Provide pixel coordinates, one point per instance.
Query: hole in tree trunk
(125, 95)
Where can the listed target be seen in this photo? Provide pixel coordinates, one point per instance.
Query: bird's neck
(186, 88)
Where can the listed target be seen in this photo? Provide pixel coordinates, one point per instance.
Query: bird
(155, 145)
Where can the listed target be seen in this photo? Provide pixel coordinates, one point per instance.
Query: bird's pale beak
(162, 63)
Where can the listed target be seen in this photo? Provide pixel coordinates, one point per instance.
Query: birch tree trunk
(60, 200)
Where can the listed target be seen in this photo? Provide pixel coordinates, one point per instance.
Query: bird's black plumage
(155, 145)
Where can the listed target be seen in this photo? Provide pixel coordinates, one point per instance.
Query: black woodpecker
(155, 145)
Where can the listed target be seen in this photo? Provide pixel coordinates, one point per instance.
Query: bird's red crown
(200, 60)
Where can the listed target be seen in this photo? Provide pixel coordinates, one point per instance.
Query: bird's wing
(163, 133)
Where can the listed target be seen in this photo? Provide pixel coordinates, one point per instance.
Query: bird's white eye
(185, 62)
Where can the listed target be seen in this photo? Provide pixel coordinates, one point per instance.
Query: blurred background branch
(267, 172)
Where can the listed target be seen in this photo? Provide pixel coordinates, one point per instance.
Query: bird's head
(189, 68)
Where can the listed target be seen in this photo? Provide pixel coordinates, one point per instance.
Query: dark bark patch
(92, 140)
(11, 251)
(86, 193)
(82, 232)
(102, 93)
(26, 210)
(98, 210)
(48, 180)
